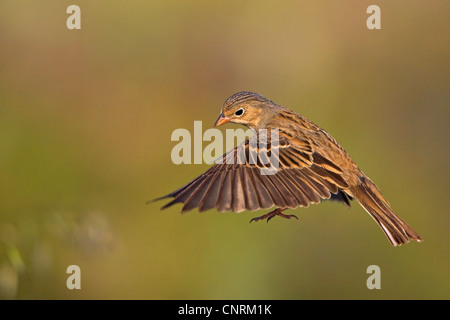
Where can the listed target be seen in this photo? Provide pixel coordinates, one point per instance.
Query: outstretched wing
(239, 182)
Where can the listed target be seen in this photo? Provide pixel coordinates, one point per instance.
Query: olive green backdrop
(86, 118)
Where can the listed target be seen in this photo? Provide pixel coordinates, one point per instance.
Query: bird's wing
(238, 182)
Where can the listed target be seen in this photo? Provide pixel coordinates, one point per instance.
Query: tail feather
(370, 198)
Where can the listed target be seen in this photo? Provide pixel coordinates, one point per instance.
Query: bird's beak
(221, 120)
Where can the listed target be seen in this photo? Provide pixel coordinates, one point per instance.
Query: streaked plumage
(312, 167)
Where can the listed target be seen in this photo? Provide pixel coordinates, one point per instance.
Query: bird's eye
(239, 112)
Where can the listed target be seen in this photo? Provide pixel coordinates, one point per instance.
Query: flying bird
(311, 166)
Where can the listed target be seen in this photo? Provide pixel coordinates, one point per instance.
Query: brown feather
(290, 199)
(264, 198)
(397, 231)
(251, 196)
(294, 188)
(303, 186)
(314, 182)
(239, 203)
(225, 196)
(210, 197)
(196, 196)
(275, 195)
(327, 164)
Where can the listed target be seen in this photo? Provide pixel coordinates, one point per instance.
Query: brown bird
(311, 166)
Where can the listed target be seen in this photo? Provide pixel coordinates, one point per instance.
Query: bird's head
(247, 108)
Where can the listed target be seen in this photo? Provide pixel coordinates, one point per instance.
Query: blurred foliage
(86, 118)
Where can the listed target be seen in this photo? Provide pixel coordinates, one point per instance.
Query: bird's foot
(271, 214)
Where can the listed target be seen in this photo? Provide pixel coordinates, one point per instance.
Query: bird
(311, 167)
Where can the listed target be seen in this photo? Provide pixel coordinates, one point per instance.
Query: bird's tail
(371, 199)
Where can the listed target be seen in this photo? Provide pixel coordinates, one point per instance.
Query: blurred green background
(86, 118)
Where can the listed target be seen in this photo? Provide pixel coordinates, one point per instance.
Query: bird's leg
(271, 214)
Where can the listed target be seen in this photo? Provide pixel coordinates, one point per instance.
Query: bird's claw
(287, 216)
(270, 215)
(260, 218)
